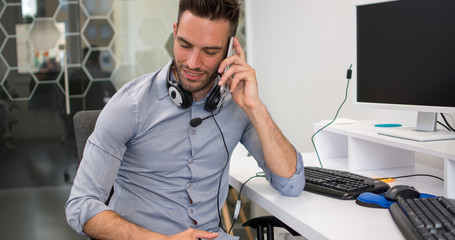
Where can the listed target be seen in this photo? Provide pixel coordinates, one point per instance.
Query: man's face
(199, 46)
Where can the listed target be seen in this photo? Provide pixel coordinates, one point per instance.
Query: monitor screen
(406, 53)
(405, 57)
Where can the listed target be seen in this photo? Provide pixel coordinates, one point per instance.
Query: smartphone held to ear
(229, 53)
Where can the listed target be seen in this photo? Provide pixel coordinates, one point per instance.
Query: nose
(194, 60)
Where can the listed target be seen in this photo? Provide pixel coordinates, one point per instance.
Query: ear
(175, 29)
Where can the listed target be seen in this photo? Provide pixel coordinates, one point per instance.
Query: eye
(184, 45)
(211, 53)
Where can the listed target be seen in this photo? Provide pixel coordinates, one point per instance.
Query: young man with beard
(170, 177)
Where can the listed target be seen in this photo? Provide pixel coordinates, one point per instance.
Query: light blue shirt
(165, 173)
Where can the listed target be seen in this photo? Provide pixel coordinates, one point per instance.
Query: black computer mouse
(401, 192)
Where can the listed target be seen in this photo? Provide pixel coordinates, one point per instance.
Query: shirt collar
(162, 80)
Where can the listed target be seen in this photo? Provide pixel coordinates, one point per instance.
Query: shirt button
(193, 132)
(189, 185)
(191, 210)
(190, 161)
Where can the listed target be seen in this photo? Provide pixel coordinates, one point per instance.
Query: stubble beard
(203, 84)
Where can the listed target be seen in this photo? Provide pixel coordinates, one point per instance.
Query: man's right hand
(192, 234)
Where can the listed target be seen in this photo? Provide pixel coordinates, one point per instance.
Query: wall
(301, 50)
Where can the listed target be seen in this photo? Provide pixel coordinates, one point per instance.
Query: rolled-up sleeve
(292, 186)
(90, 190)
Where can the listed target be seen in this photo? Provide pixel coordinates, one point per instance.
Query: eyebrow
(181, 39)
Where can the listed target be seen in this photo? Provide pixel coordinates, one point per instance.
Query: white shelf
(365, 151)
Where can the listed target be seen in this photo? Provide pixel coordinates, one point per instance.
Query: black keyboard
(425, 218)
(340, 184)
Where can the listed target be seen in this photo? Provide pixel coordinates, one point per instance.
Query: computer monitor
(405, 60)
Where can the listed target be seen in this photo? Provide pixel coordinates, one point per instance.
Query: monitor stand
(423, 132)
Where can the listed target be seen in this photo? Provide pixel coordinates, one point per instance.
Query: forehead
(199, 30)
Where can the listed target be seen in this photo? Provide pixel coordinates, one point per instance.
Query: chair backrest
(84, 123)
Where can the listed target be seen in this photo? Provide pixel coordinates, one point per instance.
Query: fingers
(234, 81)
(205, 235)
(192, 234)
(238, 48)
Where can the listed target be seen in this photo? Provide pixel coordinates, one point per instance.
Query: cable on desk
(348, 76)
(448, 126)
(238, 203)
(411, 175)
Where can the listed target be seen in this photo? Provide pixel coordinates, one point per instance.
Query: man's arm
(109, 225)
(279, 154)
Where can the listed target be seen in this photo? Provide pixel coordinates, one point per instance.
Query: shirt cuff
(292, 186)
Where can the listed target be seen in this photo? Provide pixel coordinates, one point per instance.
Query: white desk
(319, 217)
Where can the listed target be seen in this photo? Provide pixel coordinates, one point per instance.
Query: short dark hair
(213, 10)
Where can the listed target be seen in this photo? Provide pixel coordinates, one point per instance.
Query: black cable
(412, 175)
(221, 175)
(448, 125)
(442, 124)
(348, 76)
(258, 174)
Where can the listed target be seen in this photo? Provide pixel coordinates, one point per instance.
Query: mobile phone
(229, 53)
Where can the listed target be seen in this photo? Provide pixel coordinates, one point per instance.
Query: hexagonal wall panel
(74, 50)
(152, 60)
(153, 32)
(68, 12)
(77, 79)
(47, 97)
(120, 45)
(11, 16)
(99, 32)
(49, 71)
(46, 8)
(2, 37)
(44, 34)
(99, 94)
(98, 7)
(19, 86)
(99, 64)
(9, 52)
(123, 74)
(3, 69)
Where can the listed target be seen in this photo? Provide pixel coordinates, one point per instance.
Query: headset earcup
(213, 99)
(179, 96)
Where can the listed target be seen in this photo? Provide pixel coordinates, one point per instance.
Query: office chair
(84, 123)
(268, 222)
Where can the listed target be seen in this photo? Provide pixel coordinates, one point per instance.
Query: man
(170, 178)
